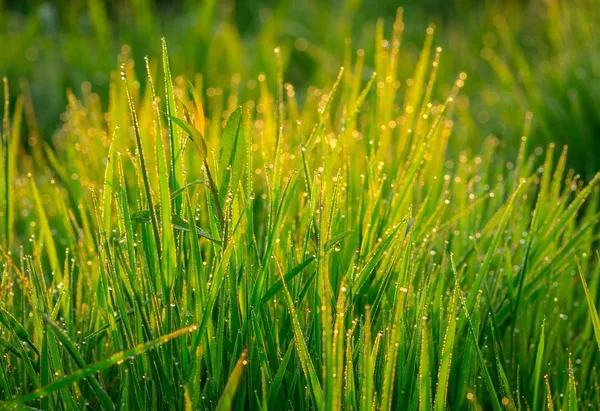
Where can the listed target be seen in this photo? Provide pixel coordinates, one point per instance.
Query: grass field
(357, 244)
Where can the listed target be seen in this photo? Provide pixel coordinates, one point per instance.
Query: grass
(195, 249)
(538, 57)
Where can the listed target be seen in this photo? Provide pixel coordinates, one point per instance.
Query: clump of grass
(192, 250)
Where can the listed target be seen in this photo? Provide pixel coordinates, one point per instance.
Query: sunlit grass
(538, 57)
(192, 249)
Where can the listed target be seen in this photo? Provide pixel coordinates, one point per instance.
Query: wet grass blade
(99, 366)
(233, 383)
(103, 397)
(591, 305)
(487, 379)
(424, 369)
(305, 360)
(446, 357)
(537, 373)
(231, 158)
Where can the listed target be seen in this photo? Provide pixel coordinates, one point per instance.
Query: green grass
(538, 57)
(192, 248)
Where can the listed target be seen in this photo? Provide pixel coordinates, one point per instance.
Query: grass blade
(99, 366)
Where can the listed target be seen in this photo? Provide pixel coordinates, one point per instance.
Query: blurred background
(539, 56)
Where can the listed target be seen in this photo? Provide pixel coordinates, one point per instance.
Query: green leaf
(537, 372)
(174, 166)
(591, 305)
(446, 357)
(103, 397)
(487, 379)
(179, 223)
(98, 366)
(286, 279)
(305, 359)
(11, 323)
(193, 134)
(231, 158)
(233, 383)
(424, 369)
